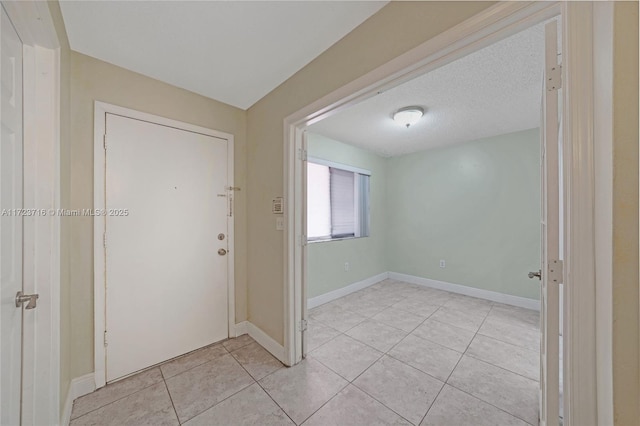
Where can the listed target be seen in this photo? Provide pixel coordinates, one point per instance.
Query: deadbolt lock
(221, 237)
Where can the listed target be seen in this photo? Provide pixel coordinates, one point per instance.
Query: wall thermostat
(277, 206)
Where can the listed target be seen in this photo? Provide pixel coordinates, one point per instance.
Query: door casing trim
(99, 222)
(495, 23)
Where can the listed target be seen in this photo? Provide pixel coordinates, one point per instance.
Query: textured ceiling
(232, 51)
(493, 91)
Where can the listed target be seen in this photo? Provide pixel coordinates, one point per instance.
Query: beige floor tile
(150, 406)
(381, 284)
(237, 342)
(376, 334)
(368, 306)
(454, 407)
(354, 408)
(398, 289)
(426, 356)
(407, 391)
(461, 302)
(409, 290)
(390, 299)
(368, 290)
(516, 315)
(510, 357)
(345, 302)
(303, 388)
(115, 391)
(251, 406)
(398, 318)
(318, 334)
(416, 306)
(511, 392)
(256, 360)
(346, 356)
(444, 334)
(198, 389)
(463, 319)
(432, 296)
(338, 318)
(506, 331)
(192, 359)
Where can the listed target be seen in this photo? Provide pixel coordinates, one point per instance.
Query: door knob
(222, 252)
(536, 274)
(22, 298)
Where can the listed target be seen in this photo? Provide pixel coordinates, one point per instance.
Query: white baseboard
(241, 328)
(263, 339)
(80, 386)
(507, 299)
(341, 292)
(275, 348)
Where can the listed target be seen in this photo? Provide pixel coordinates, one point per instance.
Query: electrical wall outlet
(442, 263)
(346, 266)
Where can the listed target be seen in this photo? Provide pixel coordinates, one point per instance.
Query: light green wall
(366, 256)
(475, 205)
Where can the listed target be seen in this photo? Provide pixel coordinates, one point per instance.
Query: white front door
(11, 201)
(551, 268)
(166, 241)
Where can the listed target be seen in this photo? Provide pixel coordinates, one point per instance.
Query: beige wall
(92, 80)
(626, 378)
(396, 28)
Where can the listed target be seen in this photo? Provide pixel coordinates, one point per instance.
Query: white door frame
(41, 260)
(100, 111)
(489, 26)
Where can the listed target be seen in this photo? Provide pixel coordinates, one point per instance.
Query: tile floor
(392, 354)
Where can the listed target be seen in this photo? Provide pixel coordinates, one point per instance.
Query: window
(337, 201)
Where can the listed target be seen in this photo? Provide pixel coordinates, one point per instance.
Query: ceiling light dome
(408, 116)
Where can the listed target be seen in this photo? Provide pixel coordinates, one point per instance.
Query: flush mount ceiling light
(408, 115)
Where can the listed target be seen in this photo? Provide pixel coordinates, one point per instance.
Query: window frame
(348, 168)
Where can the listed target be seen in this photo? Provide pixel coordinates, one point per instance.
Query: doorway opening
(453, 200)
(436, 53)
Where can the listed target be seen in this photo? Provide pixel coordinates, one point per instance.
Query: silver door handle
(222, 252)
(22, 298)
(536, 274)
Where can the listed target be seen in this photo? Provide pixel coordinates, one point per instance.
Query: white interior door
(11, 200)
(551, 268)
(166, 242)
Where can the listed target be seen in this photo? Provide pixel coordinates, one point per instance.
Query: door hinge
(105, 338)
(302, 154)
(104, 239)
(556, 271)
(303, 325)
(104, 141)
(553, 78)
(303, 240)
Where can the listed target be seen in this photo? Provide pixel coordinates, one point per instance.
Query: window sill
(329, 240)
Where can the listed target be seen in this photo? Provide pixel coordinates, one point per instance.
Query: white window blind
(343, 217)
